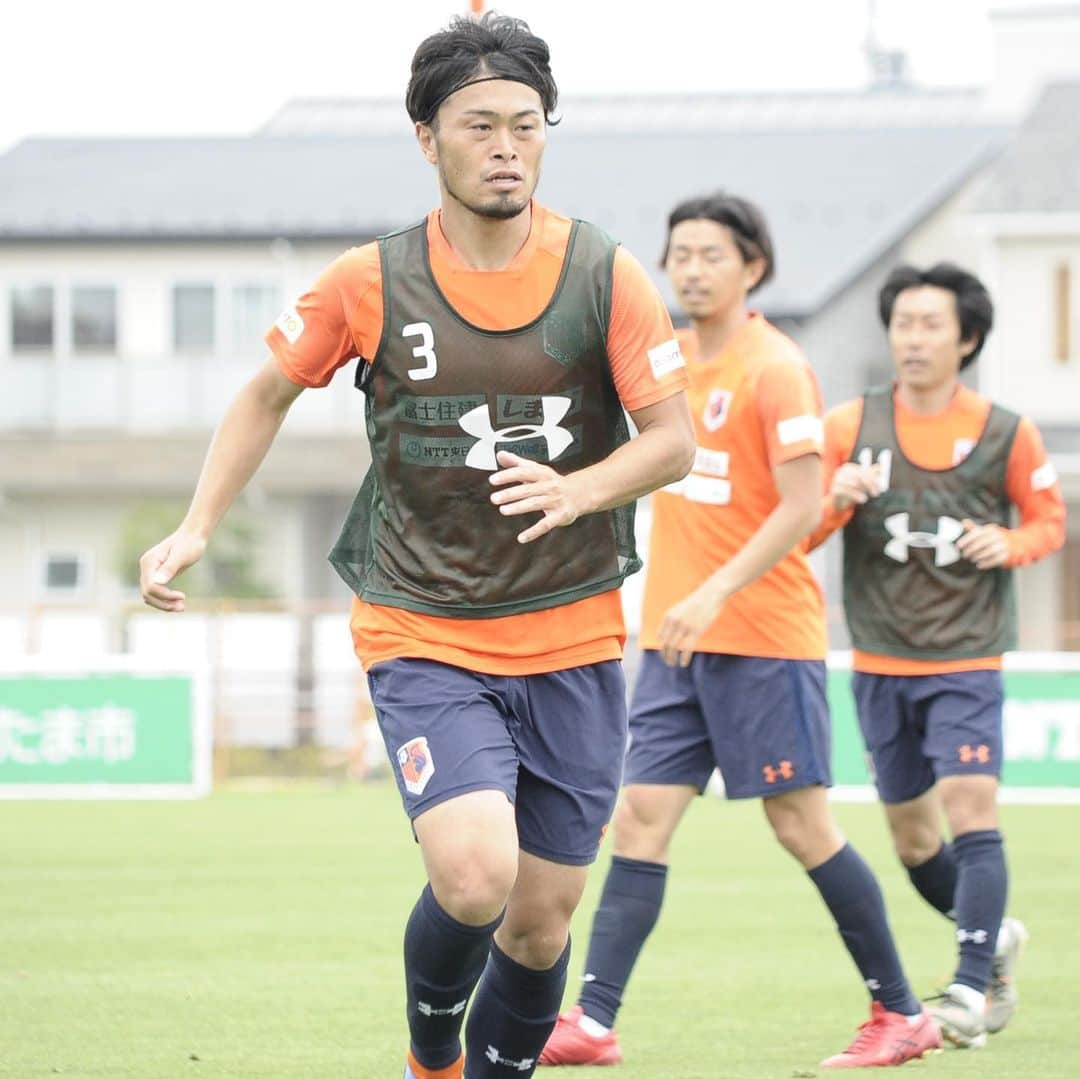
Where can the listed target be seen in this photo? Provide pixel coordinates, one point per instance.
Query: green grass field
(258, 935)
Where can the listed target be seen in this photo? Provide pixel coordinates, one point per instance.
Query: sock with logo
(980, 903)
(629, 906)
(935, 880)
(512, 1015)
(444, 959)
(854, 899)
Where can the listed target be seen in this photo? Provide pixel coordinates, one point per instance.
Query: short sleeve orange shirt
(340, 318)
(755, 405)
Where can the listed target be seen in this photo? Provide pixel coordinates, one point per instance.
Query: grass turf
(258, 935)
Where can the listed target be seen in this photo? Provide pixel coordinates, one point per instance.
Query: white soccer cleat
(960, 1023)
(1002, 996)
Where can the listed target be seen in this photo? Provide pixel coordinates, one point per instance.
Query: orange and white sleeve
(333, 322)
(789, 407)
(1032, 485)
(646, 363)
(841, 430)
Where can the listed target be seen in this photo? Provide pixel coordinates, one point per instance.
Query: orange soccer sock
(454, 1071)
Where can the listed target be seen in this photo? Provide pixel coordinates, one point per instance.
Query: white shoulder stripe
(801, 429)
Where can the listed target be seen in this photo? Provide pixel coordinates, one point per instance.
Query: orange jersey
(942, 441)
(755, 405)
(341, 318)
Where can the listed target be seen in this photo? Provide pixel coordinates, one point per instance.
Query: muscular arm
(799, 484)
(239, 444)
(662, 452)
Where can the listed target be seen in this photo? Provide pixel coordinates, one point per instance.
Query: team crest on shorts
(716, 409)
(416, 764)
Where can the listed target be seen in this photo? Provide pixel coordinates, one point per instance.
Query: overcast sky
(123, 67)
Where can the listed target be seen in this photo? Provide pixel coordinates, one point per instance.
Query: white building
(137, 277)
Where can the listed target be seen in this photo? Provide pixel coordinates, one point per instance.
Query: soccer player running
(733, 672)
(498, 345)
(922, 477)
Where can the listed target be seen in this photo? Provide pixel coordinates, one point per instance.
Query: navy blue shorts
(918, 728)
(763, 722)
(552, 743)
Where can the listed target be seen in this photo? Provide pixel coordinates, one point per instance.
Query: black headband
(472, 82)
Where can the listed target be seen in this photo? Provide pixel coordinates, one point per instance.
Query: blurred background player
(733, 672)
(923, 475)
(494, 666)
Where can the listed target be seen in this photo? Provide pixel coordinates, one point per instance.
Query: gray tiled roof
(837, 199)
(1040, 171)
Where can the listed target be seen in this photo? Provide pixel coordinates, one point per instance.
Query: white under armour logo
(518, 1065)
(426, 1009)
(942, 542)
(975, 936)
(478, 424)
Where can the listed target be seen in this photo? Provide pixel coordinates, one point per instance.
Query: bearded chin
(498, 208)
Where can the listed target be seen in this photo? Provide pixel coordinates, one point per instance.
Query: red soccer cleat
(569, 1044)
(887, 1039)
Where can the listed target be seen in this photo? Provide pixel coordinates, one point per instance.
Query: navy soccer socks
(629, 906)
(935, 880)
(854, 899)
(444, 959)
(981, 891)
(512, 1015)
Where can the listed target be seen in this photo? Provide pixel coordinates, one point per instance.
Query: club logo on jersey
(291, 325)
(716, 409)
(477, 422)
(942, 542)
(416, 764)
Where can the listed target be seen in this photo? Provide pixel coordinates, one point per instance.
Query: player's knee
(792, 833)
(807, 834)
(638, 831)
(537, 945)
(970, 803)
(474, 890)
(915, 846)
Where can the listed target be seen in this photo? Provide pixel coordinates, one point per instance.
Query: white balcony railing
(142, 395)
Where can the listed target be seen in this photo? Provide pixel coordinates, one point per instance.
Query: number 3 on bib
(424, 351)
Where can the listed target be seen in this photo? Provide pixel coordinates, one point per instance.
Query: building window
(1063, 320)
(93, 318)
(64, 574)
(193, 318)
(32, 318)
(254, 308)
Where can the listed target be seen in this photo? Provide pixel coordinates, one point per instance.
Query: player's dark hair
(974, 307)
(468, 50)
(747, 223)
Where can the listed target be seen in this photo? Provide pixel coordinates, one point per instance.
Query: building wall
(1020, 367)
(144, 386)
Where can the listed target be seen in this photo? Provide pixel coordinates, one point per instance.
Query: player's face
(707, 269)
(924, 334)
(487, 144)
